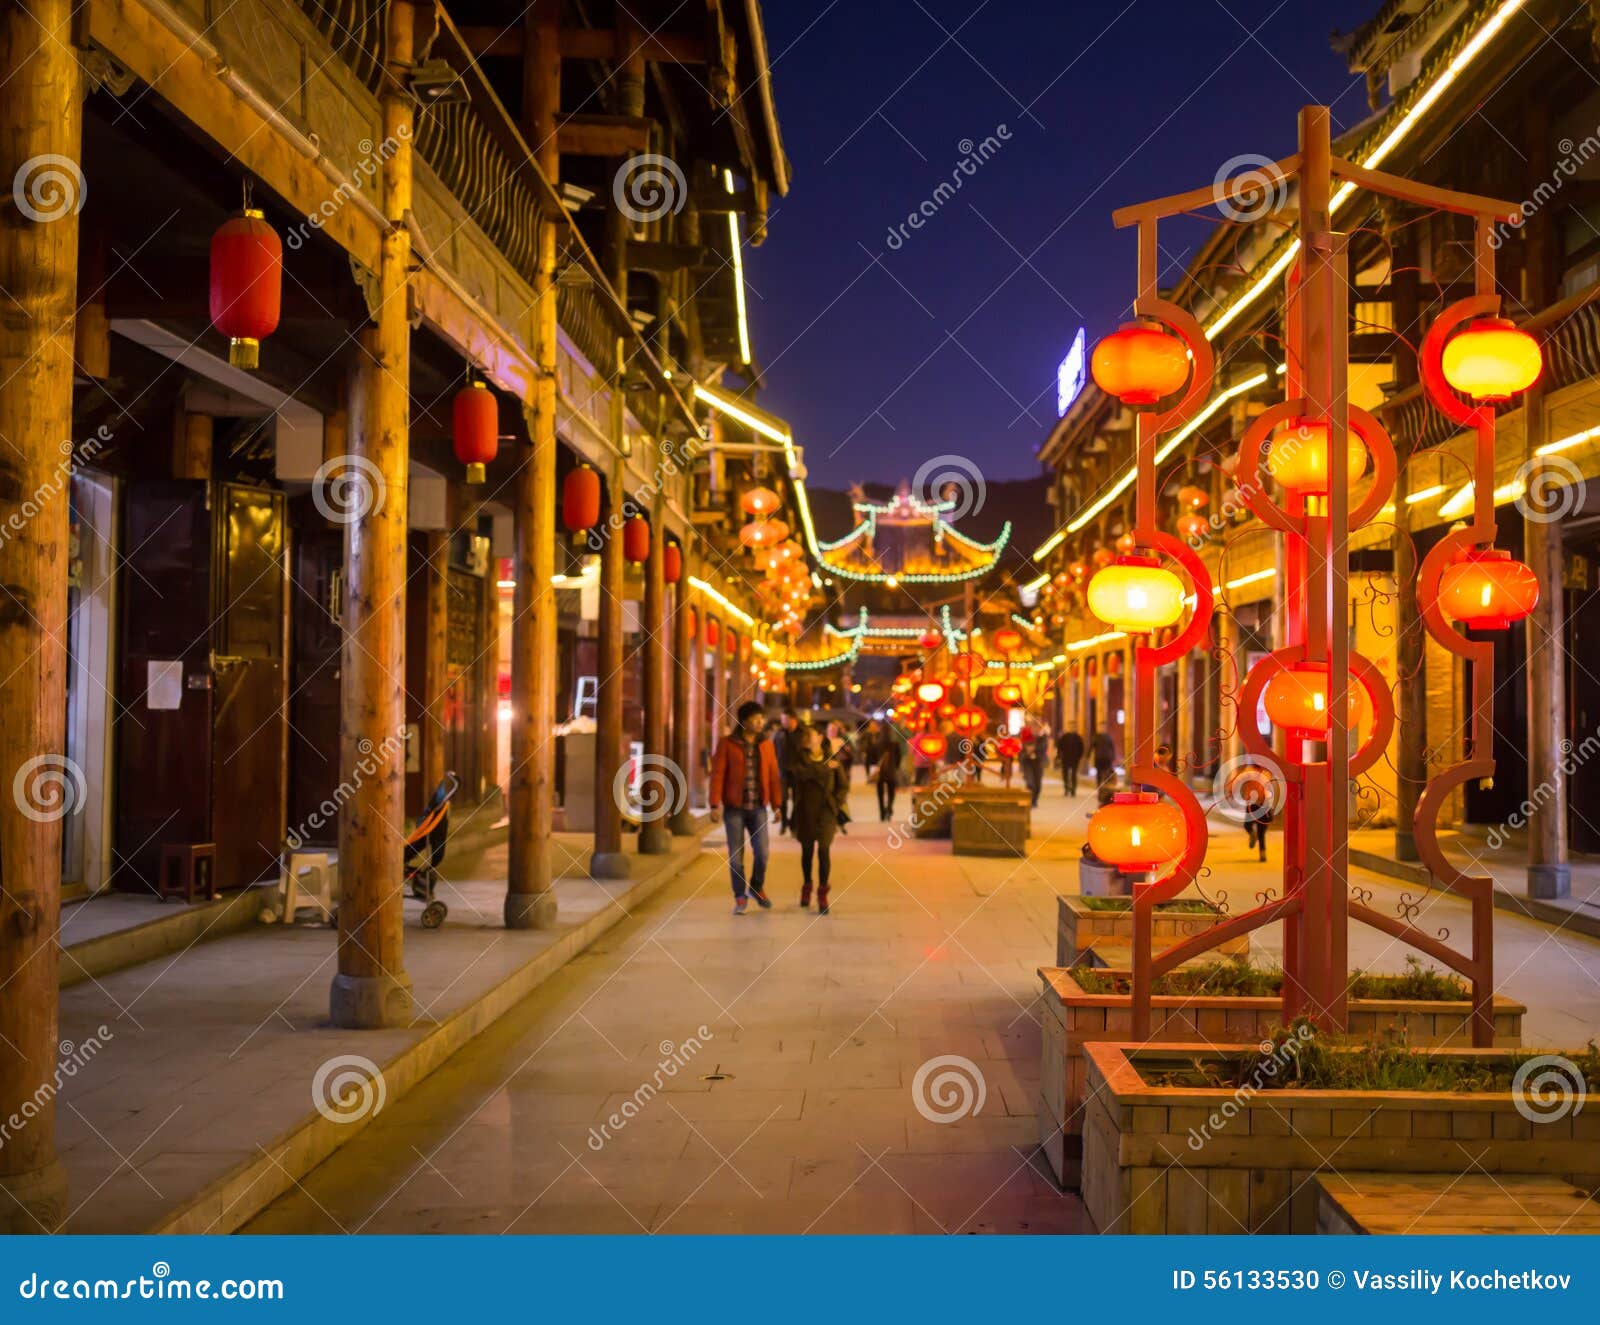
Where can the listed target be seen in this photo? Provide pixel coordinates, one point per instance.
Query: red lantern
(1103, 556)
(1491, 360)
(580, 499)
(930, 639)
(1139, 364)
(1485, 589)
(731, 643)
(246, 285)
(763, 533)
(1192, 498)
(1008, 747)
(759, 501)
(1008, 694)
(965, 666)
(1078, 569)
(1127, 544)
(672, 563)
(1193, 528)
(930, 693)
(711, 633)
(475, 423)
(1138, 832)
(1299, 457)
(636, 539)
(930, 745)
(969, 720)
(1007, 639)
(1296, 699)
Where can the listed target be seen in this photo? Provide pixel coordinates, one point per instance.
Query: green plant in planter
(1239, 977)
(1186, 905)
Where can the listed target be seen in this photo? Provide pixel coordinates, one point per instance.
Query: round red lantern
(580, 499)
(1008, 694)
(969, 720)
(1299, 457)
(475, 425)
(759, 501)
(672, 563)
(1127, 544)
(1192, 498)
(1296, 699)
(1486, 589)
(1008, 747)
(1078, 569)
(930, 639)
(930, 745)
(1139, 364)
(1193, 528)
(763, 533)
(1103, 556)
(930, 692)
(1007, 639)
(246, 284)
(1138, 832)
(965, 666)
(636, 539)
(1491, 360)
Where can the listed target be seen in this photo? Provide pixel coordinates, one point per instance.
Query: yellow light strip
(722, 600)
(761, 647)
(1461, 503)
(1567, 443)
(1255, 577)
(726, 405)
(738, 275)
(1110, 637)
(1050, 544)
(1033, 586)
(1414, 497)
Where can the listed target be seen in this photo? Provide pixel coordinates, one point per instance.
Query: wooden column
(608, 860)
(40, 116)
(530, 897)
(685, 687)
(191, 447)
(435, 661)
(1230, 676)
(488, 670)
(655, 835)
(1411, 673)
(372, 988)
(1183, 713)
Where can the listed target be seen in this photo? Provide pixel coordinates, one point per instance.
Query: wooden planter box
(1185, 1160)
(1074, 1019)
(989, 825)
(1081, 928)
(933, 806)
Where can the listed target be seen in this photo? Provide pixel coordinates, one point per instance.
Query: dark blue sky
(949, 344)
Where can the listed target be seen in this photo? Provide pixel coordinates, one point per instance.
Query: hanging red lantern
(475, 425)
(763, 533)
(965, 666)
(1140, 364)
(1078, 569)
(969, 720)
(930, 693)
(1007, 639)
(930, 639)
(759, 501)
(1193, 528)
(1299, 457)
(1103, 556)
(930, 745)
(1486, 589)
(731, 643)
(1138, 832)
(672, 563)
(636, 539)
(1491, 360)
(1127, 544)
(711, 633)
(580, 499)
(1296, 699)
(1008, 694)
(1192, 498)
(1136, 595)
(1114, 665)
(246, 284)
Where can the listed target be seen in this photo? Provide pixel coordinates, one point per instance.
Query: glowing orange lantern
(759, 501)
(965, 666)
(930, 745)
(246, 284)
(1139, 364)
(1136, 595)
(763, 533)
(580, 499)
(636, 539)
(1192, 497)
(1486, 589)
(1138, 832)
(1127, 544)
(969, 720)
(1299, 457)
(672, 563)
(930, 639)
(1491, 360)
(711, 633)
(1296, 699)
(1007, 639)
(1103, 556)
(1193, 528)
(1078, 570)
(475, 427)
(930, 693)
(1008, 694)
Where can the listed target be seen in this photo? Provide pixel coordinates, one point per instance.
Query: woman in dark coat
(820, 790)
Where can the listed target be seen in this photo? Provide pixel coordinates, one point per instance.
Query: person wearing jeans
(744, 784)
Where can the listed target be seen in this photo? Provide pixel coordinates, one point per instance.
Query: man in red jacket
(744, 782)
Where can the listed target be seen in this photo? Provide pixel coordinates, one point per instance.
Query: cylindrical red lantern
(1139, 364)
(672, 563)
(1486, 589)
(711, 633)
(246, 284)
(1138, 832)
(636, 539)
(475, 424)
(580, 499)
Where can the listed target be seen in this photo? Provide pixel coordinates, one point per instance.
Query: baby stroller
(425, 850)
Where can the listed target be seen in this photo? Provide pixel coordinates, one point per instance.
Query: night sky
(950, 343)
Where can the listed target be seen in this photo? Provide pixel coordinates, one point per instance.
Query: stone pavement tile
(990, 1130)
(724, 1104)
(885, 1213)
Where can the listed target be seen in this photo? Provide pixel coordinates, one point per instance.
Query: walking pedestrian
(886, 772)
(820, 790)
(1105, 758)
(1032, 759)
(744, 783)
(784, 744)
(1257, 815)
(1069, 754)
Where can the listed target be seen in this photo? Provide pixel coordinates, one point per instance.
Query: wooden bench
(1506, 1203)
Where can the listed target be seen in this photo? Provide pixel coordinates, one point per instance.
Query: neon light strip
(738, 275)
(928, 577)
(1111, 636)
(1033, 586)
(722, 600)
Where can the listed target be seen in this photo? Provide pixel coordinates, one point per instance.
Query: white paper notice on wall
(163, 686)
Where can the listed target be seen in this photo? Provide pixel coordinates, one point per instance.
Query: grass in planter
(1193, 905)
(1239, 977)
(1302, 1059)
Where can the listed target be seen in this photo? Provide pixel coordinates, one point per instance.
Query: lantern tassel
(475, 473)
(244, 353)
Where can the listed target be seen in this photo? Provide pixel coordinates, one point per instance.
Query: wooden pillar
(1411, 672)
(608, 860)
(530, 882)
(191, 447)
(372, 988)
(435, 661)
(488, 668)
(685, 686)
(1230, 676)
(1183, 760)
(655, 835)
(40, 116)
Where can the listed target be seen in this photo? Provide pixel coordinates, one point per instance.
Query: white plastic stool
(309, 878)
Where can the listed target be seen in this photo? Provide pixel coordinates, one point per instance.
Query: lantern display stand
(1342, 731)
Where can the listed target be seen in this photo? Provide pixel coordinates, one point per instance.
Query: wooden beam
(652, 255)
(603, 135)
(586, 44)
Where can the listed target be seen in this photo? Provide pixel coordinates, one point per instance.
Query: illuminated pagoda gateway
(907, 542)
